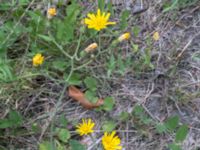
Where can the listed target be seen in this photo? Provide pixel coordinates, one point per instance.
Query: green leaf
(121, 65)
(75, 145)
(111, 65)
(72, 12)
(161, 128)
(171, 7)
(60, 65)
(124, 116)
(64, 31)
(14, 120)
(138, 110)
(63, 120)
(46, 38)
(35, 128)
(110, 7)
(45, 146)
(6, 6)
(23, 2)
(174, 147)
(136, 30)
(75, 79)
(108, 126)
(135, 47)
(6, 74)
(145, 119)
(124, 19)
(108, 103)
(101, 4)
(172, 123)
(5, 123)
(90, 95)
(63, 135)
(181, 133)
(59, 146)
(91, 83)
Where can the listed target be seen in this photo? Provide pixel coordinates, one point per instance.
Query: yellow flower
(98, 21)
(124, 36)
(51, 12)
(37, 59)
(85, 127)
(91, 47)
(111, 142)
(156, 36)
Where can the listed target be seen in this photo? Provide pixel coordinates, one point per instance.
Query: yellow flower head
(51, 12)
(85, 127)
(98, 21)
(91, 47)
(111, 142)
(156, 36)
(37, 59)
(124, 36)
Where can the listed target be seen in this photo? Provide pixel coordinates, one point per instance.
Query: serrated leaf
(75, 145)
(181, 133)
(172, 123)
(63, 135)
(91, 83)
(109, 126)
(108, 103)
(72, 12)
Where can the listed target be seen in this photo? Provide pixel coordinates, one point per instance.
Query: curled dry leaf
(77, 95)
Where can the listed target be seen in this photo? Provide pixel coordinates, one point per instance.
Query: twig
(186, 46)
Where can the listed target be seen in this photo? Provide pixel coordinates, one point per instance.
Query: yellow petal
(156, 36)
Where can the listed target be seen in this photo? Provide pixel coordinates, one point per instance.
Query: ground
(167, 85)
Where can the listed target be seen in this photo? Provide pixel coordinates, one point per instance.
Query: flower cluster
(97, 21)
(109, 141)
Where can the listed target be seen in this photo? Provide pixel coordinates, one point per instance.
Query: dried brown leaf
(78, 95)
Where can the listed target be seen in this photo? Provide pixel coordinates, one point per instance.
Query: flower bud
(124, 37)
(91, 48)
(51, 12)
